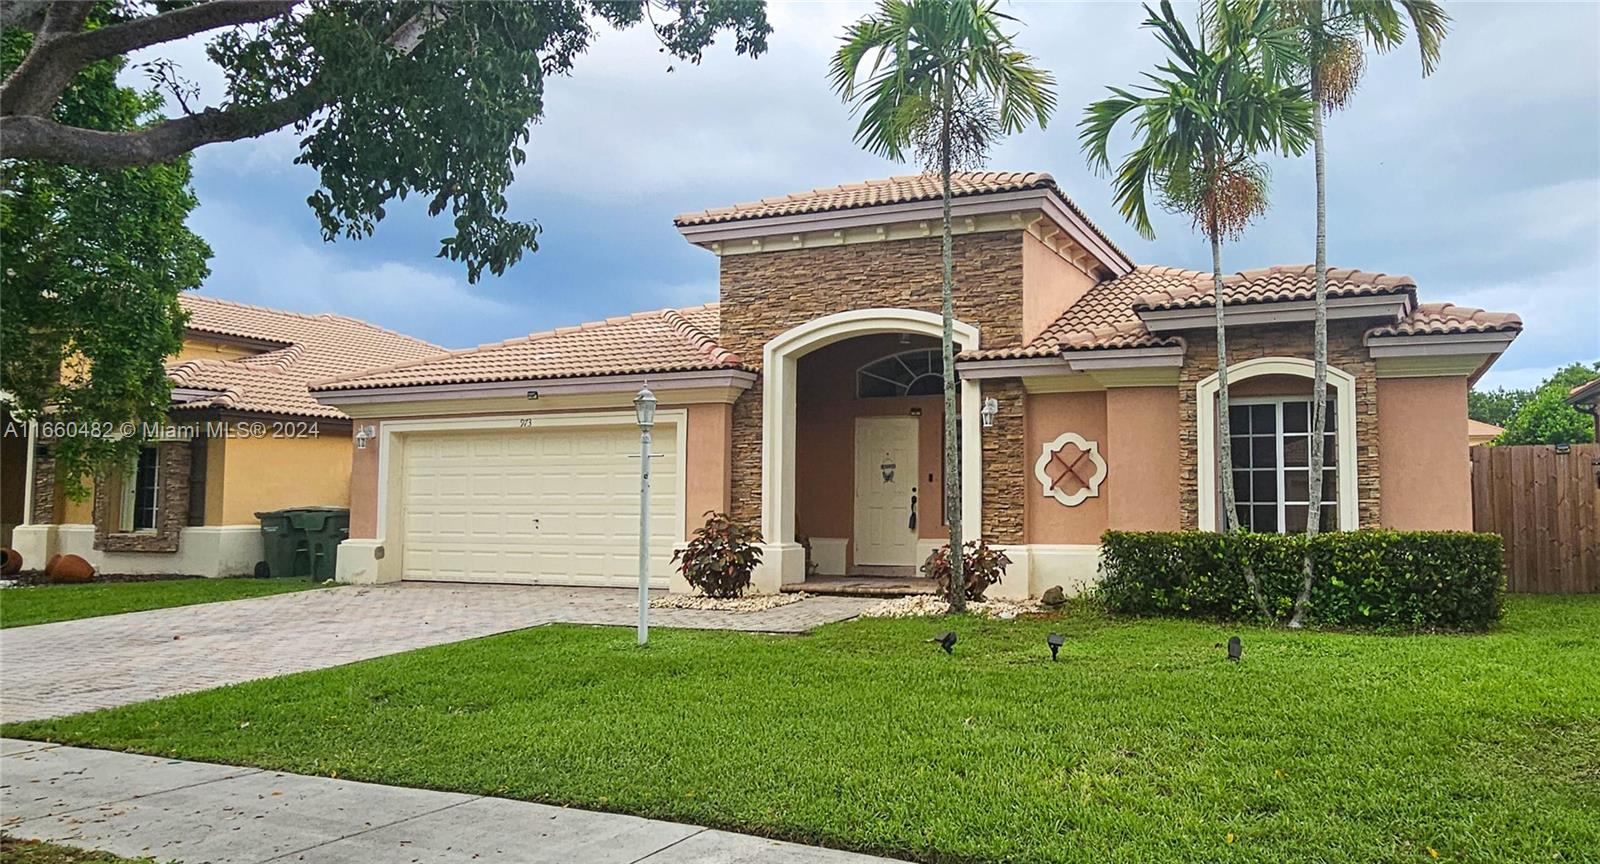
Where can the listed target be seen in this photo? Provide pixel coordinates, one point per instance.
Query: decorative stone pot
(12, 565)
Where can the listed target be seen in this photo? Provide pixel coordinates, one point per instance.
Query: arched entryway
(783, 559)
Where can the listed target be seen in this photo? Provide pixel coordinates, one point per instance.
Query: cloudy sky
(1482, 181)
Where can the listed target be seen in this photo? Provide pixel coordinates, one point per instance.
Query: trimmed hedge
(1419, 580)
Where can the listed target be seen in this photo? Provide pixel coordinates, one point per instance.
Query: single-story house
(242, 435)
(806, 402)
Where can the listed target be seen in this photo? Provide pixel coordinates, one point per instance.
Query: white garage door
(551, 506)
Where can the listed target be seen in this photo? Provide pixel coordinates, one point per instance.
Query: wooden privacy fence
(1546, 504)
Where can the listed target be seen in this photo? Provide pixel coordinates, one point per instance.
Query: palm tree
(1333, 36)
(942, 81)
(1201, 123)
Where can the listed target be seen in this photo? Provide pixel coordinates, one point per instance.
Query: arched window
(919, 372)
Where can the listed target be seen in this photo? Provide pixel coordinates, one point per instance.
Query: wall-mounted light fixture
(991, 408)
(365, 434)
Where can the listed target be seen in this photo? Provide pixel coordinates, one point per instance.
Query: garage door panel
(535, 505)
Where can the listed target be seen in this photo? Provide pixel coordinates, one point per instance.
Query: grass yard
(42, 604)
(1142, 744)
(14, 851)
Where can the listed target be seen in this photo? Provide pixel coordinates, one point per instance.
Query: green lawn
(14, 851)
(42, 604)
(1142, 744)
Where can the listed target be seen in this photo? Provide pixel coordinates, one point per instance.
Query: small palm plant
(1333, 37)
(1201, 124)
(941, 81)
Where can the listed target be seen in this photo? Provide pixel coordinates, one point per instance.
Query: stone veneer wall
(764, 294)
(1004, 483)
(173, 508)
(1345, 351)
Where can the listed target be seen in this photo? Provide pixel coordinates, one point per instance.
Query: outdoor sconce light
(365, 434)
(1235, 649)
(644, 408)
(991, 407)
(1055, 641)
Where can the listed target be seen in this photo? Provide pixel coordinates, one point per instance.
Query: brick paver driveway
(49, 670)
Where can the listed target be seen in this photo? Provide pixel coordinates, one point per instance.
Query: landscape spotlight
(1235, 649)
(1055, 641)
(948, 642)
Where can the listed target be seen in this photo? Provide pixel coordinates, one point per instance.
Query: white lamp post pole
(644, 406)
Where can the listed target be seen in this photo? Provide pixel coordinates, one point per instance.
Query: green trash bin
(280, 543)
(321, 530)
(303, 542)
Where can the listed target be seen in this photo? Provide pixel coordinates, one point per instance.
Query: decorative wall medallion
(1070, 469)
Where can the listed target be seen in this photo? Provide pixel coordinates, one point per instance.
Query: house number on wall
(1070, 469)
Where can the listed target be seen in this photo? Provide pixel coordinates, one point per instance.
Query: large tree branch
(25, 14)
(35, 85)
(32, 137)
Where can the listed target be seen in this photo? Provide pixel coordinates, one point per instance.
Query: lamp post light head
(991, 408)
(644, 408)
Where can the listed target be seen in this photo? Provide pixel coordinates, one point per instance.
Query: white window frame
(1343, 390)
(862, 370)
(130, 493)
(1279, 468)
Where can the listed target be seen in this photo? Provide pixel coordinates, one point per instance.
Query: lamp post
(644, 409)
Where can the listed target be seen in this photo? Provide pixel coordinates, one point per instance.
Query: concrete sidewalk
(196, 812)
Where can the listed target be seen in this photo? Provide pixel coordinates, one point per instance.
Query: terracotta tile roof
(667, 340)
(902, 189)
(1107, 317)
(274, 382)
(1447, 318)
(1174, 288)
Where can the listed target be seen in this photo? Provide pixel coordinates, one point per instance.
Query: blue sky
(1482, 181)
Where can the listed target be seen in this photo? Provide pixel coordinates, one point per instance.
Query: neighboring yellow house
(243, 435)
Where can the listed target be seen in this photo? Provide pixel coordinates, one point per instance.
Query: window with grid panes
(1271, 464)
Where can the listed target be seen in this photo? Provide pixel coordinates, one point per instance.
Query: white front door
(886, 492)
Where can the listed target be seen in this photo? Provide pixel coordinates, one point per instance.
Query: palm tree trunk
(952, 450)
(1230, 519)
(1319, 379)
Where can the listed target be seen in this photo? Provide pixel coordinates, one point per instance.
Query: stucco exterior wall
(707, 462)
(765, 294)
(1049, 415)
(202, 349)
(1050, 284)
(265, 473)
(1427, 470)
(1141, 452)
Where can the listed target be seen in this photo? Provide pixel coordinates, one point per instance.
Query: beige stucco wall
(266, 473)
(708, 462)
(1049, 285)
(1141, 453)
(1422, 448)
(202, 349)
(1049, 415)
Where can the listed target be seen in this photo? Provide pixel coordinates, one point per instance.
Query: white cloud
(257, 264)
